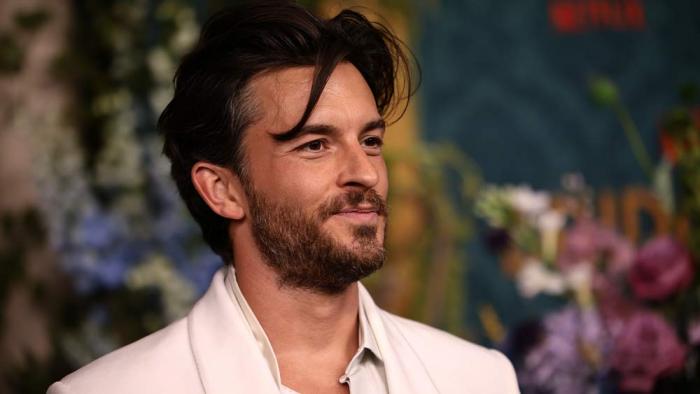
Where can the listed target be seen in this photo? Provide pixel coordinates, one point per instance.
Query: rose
(661, 268)
(645, 348)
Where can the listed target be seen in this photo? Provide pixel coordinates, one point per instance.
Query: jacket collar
(223, 346)
(228, 358)
(405, 372)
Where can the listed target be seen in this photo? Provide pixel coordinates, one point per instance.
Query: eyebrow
(324, 129)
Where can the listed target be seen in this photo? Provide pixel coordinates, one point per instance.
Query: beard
(295, 246)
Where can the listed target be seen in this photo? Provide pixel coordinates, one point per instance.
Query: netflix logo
(578, 16)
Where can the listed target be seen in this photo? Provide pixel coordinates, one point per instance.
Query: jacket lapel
(228, 360)
(223, 346)
(405, 372)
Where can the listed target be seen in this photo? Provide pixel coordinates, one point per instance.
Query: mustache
(369, 199)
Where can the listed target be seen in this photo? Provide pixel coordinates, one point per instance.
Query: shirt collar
(260, 337)
(367, 338)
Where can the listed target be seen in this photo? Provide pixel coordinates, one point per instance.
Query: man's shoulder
(159, 362)
(429, 340)
(451, 360)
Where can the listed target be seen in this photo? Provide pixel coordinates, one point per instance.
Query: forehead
(281, 97)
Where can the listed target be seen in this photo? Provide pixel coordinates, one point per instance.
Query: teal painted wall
(510, 91)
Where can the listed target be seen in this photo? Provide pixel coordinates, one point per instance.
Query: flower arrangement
(626, 322)
(631, 321)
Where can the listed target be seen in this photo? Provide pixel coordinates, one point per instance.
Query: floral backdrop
(106, 208)
(629, 319)
(121, 256)
(103, 252)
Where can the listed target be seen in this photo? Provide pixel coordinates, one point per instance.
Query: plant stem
(635, 140)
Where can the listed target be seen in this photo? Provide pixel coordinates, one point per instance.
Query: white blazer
(213, 351)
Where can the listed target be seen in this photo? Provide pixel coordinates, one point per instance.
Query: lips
(360, 215)
(359, 204)
(359, 210)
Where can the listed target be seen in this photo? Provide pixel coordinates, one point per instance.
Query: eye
(373, 142)
(313, 146)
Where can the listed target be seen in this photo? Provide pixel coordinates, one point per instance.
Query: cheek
(298, 183)
(308, 184)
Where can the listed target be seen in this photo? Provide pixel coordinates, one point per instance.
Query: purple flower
(661, 268)
(645, 348)
(569, 358)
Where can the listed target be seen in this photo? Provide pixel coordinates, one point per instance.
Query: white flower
(113, 102)
(186, 35)
(119, 162)
(529, 202)
(580, 276)
(160, 97)
(550, 221)
(178, 293)
(535, 278)
(161, 65)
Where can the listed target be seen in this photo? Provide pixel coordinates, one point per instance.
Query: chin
(354, 235)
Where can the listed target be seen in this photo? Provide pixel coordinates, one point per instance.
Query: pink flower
(694, 332)
(611, 300)
(590, 242)
(645, 348)
(661, 268)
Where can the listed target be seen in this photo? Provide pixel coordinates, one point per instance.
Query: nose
(357, 169)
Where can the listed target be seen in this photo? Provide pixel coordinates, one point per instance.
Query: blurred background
(545, 185)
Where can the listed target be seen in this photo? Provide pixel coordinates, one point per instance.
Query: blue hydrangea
(99, 251)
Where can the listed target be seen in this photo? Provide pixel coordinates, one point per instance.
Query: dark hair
(211, 106)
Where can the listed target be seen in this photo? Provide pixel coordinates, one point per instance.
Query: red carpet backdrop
(545, 185)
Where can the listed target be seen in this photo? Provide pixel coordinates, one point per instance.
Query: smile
(358, 215)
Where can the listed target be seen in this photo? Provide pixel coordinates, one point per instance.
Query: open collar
(405, 372)
(228, 357)
(366, 339)
(224, 348)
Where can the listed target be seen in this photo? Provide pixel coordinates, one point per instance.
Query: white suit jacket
(213, 351)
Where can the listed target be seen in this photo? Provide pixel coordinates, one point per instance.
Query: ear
(220, 188)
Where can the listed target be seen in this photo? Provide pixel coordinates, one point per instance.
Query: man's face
(316, 202)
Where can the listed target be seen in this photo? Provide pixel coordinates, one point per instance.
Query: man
(275, 137)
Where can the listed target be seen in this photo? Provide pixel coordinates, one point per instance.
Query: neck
(299, 322)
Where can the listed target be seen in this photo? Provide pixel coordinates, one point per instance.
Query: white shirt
(364, 374)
